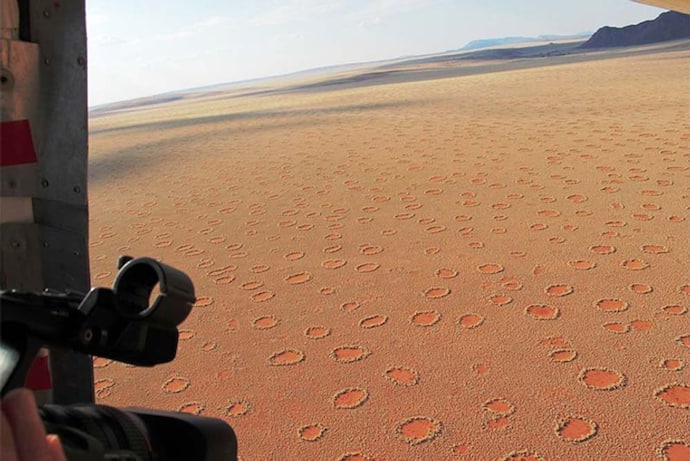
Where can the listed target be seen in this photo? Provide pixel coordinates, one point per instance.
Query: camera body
(125, 324)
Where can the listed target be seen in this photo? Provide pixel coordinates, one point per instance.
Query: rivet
(46, 13)
(45, 183)
(81, 61)
(77, 189)
(87, 336)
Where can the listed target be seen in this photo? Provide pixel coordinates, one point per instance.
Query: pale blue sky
(139, 48)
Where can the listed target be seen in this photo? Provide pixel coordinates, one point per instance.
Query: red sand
(485, 268)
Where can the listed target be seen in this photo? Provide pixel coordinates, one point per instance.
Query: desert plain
(459, 265)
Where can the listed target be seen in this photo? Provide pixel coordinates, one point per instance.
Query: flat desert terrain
(490, 266)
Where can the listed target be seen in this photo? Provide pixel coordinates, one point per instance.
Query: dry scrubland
(482, 268)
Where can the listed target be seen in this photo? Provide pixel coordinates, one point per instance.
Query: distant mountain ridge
(489, 42)
(670, 25)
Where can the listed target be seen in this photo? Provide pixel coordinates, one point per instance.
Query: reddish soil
(490, 267)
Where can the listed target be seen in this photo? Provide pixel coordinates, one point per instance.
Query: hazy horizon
(213, 43)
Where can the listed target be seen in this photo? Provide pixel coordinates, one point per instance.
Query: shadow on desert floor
(485, 267)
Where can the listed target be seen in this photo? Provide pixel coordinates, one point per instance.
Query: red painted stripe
(16, 144)
(38, 378)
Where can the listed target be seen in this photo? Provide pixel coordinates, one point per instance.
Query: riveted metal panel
(19, 181)
(72, 218)
(16, 209)
(60, 30)
(60, 204)
(20, 244)
(19, 64)
(19, 171)
(61, 252)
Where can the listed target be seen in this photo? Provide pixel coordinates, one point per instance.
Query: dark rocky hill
(667, 26)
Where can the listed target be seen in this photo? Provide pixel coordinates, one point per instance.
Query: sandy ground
(487, 267)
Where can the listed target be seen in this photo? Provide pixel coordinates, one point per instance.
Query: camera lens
(98, 432)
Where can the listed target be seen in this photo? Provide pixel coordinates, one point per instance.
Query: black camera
(134, 322)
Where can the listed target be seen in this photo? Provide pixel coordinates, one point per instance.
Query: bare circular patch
(332, 249)
(350, 306)
(524, 455)
(558, 290)
(683, 340)
(612, 305)
(253, 285)
(500, 300)
(286, 357)
(582, 264)
(100, 362)
(312, 432)
(512, 285)
(603, 249)
(262, 296)
(542, 312)
(191, 408)
(634, 264)
(674, 450)
(298, 278)
(563, 355)
(235, 409)
(497, 423)
(294, 256)
(349, 353)
(103, 387)
(654, 249)
(675, 309)
(367, 267)
(469, 321)
(317, 332)
(402, 376)
(445, 273)
(203, 301)
(209, 346)
(576, 429)
(264, 322)
(641, 325)
(641, 288)
(674, 395)
(617, 327)
(602, 379)
(549, 213)
(175, 385)
(186, 334)
(499, 406)
(373, 321)
(672, 364)
(370, 249)
(418, 429)
(425, 318)
(350, 398)
(224, 280)
(333, 263)
(436, 292)
(356, 456)
(490, 268)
